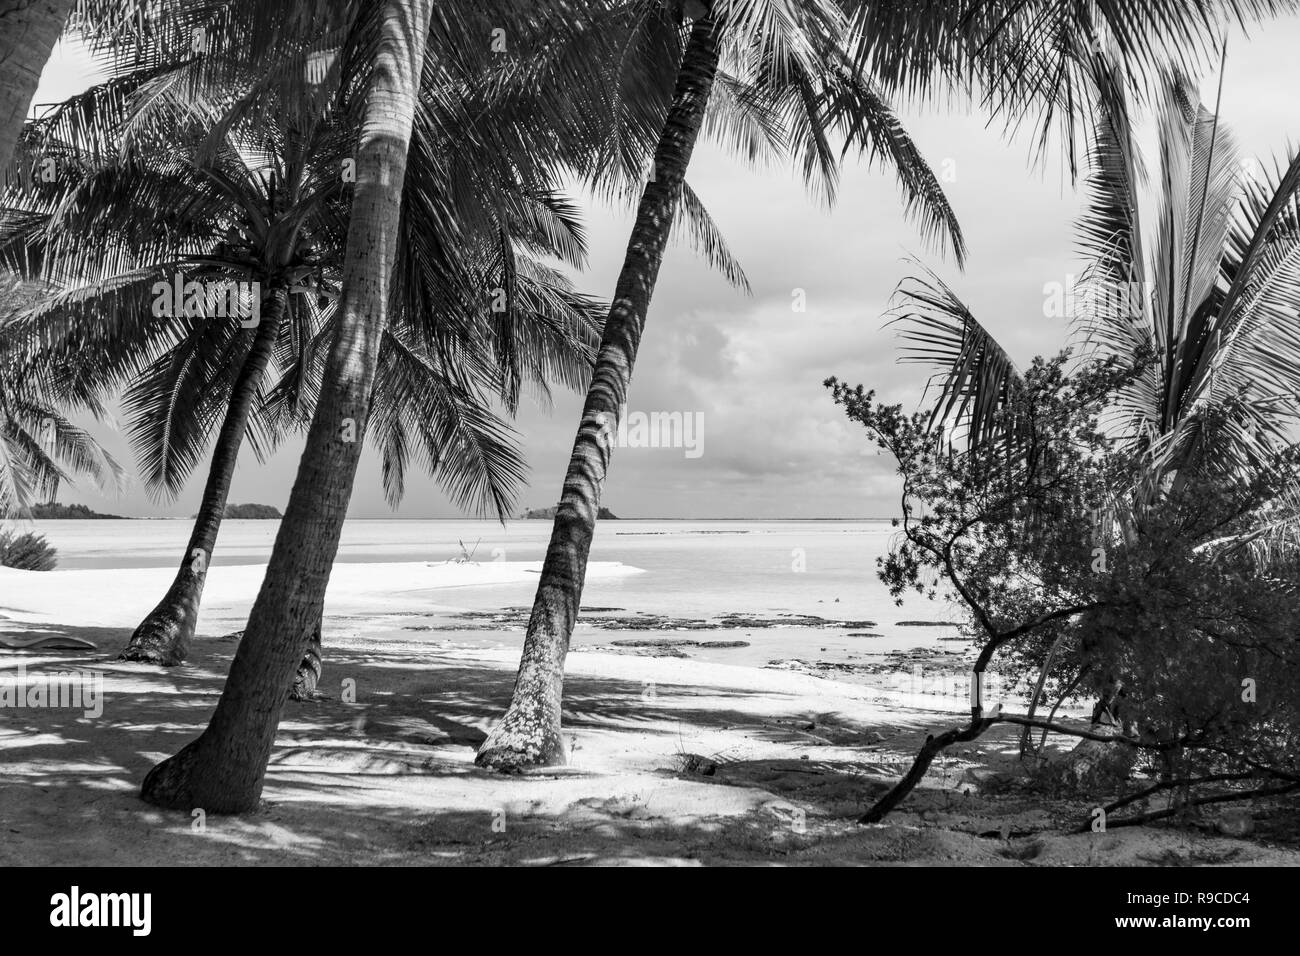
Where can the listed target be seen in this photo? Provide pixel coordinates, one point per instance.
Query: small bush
(27, 552)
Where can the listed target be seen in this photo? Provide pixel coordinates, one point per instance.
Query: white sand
(120, 598)
(390, 778)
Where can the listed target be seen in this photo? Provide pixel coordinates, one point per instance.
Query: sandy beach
(672, 759)
(682, 433)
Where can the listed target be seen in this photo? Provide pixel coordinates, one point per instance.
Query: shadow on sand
(389, 778)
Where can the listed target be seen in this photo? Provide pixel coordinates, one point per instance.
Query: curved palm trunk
(163, 637)
(529, 734)
(28, 31)
(223, 770)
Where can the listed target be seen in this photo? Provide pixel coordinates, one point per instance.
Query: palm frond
(974, 374)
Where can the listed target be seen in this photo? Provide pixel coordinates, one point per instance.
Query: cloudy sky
(774, 446)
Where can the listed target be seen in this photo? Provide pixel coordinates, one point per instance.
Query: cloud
(774, 443)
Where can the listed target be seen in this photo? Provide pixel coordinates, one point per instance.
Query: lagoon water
(692, 570)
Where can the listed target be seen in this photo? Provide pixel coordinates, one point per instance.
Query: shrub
(27, 552)
(1072, 565)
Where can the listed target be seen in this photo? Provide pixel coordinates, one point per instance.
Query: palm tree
(1205, 307)
(815, 62)
(298, 571)
(532, 148)
(1215, 301)
(164, 30)
(1211, 313)
(266, 203)
(222, 771)
(790, 60)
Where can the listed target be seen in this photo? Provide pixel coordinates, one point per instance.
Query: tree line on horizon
(385, 178)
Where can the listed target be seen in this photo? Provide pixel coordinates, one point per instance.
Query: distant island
(252, 511)
(53, 509)
(603, 513)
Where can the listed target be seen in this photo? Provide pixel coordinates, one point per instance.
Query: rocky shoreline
(937, 664)
(606, 618)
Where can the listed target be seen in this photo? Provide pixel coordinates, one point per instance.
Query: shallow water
(694, 570)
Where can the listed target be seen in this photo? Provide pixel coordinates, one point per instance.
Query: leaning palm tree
(265, 202)
(238, 741)
(224, 768)
(765, 63)
(822, 67)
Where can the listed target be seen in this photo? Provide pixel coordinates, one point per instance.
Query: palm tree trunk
(309, 669)
(223, 770)
(529, 734)
(163, 637)
(28, 31)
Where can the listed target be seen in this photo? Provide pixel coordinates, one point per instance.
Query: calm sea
(693, 570)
